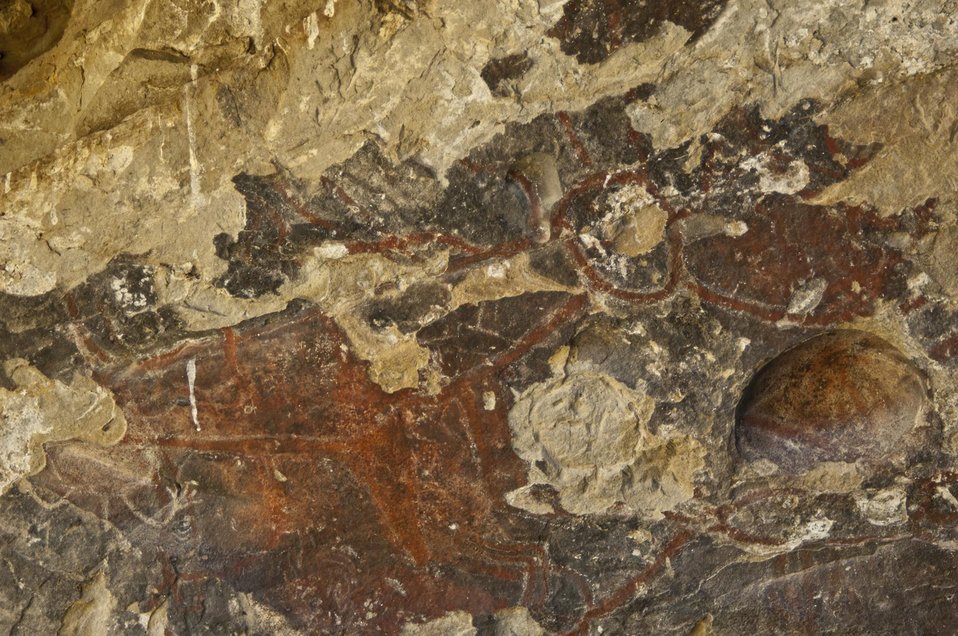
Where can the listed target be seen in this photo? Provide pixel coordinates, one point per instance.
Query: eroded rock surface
(522, 317)
(586, 435)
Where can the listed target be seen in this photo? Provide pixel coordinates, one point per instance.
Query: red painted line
(569, 129)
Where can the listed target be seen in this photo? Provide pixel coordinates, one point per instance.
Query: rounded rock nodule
(841, 396)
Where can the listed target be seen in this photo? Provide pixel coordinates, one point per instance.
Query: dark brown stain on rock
(770, 264)
(841, 396)
(807, 592)
(472, 334)
(388, 494)
(501, 73)
(593, 29)
(409, 310)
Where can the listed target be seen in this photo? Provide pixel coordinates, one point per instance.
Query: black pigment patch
(261, 257)
(501, 73)
(410, 309)
(118, 307)
(592, 30)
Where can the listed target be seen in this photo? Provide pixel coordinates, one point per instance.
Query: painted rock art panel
(422, 317)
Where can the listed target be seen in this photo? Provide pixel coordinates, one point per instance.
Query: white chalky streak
(191, 380)
(196, 194)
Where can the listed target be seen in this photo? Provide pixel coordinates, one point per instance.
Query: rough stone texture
(496, 318)
(586, 436)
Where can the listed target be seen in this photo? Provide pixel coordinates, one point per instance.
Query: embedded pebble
(537, 178)
(841, 396)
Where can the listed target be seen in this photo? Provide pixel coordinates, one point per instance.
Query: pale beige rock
(792, 179)
(340, 285)
(502, 278)
(886, 507)
(943, 261)
(417, 86)
(703, 627)
(513, 621)
(452, 624)
(261, 619)
(525, 498)
(92, 613)
(635, 224)
(516, 621)
(832, 477)
(698, 226)
(42, 410)
(586, 436)
(777, 53)
(919, 155)
(541, 177)
(127, 190)
(92, 169)
(158, 620)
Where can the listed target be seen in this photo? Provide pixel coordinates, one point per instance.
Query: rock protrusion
(842, 396)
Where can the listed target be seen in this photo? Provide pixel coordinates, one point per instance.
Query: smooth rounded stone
(841, 396)
(537, 178)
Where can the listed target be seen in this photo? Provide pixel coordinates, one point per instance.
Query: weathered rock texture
(490, 317)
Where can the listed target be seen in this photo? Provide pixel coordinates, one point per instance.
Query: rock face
(586, 436)
(841, 396)
(490, 317)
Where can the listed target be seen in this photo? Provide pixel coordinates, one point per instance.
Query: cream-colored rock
(92, 613)
(793, 178)
(43, 410)
(586, 435)
(886, 507)
(943, 261)
(635, 224)
(341, 285)
(513, 621)
(261, 619)
(452, 624)
(158, 619)
(832, 477)
(698, 226)
(503, 278)
(129, 190)
(780, 52)
(919, 154)
(417, 85)
(516, 621)
(125, 137)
